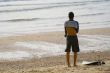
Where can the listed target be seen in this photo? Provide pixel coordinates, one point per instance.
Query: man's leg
(75, 58)
(68, 59)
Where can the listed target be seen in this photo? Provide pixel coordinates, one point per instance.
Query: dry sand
(55, 64)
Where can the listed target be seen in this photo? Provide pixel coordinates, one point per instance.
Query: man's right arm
(65, 29)
(65, 32)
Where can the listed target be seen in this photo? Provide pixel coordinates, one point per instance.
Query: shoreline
(52, 35)
(8, 44)
(57, 64)
(54, 64)
(13, 43)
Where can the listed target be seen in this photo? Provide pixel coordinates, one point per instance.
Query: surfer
(71, 29)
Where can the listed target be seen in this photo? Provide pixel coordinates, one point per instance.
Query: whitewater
(18, 17)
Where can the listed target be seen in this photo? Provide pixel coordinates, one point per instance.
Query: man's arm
(65, 32)
(77, 29)
(65, 29)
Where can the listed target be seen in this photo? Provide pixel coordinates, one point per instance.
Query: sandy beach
(54, 64)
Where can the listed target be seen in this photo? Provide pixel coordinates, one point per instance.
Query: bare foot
(75, 65)
(69, 65)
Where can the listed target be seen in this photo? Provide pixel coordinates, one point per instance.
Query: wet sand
(54, 64)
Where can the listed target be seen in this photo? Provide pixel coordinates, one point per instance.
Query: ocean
(19, 17)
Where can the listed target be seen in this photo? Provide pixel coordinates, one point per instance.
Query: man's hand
(65, 35)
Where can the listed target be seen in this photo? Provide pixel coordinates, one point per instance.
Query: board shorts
(72, 41)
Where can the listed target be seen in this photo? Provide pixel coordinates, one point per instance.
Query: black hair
(71, 15)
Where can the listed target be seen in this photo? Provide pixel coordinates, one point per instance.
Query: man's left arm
(77, 29)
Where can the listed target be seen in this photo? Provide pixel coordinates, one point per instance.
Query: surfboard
(93, 62)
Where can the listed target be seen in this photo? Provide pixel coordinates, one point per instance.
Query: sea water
(20, 17)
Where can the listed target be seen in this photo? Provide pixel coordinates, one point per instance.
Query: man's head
(71, 15)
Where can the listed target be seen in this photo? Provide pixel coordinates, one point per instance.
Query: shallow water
(27, 50)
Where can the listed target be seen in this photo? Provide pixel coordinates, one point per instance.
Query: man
(71, 30)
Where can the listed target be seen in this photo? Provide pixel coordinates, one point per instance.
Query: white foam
(42, 48)
(22, 50)
(15, 55)
(94, 43)
(87, 43)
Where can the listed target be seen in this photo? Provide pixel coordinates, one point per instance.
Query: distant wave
(33, 0)
(5, 5)
(93, 14)
(30, 19)
(19, 20)
(47, 5)
(31, 9)
(89, 23)
(12, 0)
(58, 3)
(99, 0)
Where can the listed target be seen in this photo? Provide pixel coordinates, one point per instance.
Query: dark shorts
(72, 41)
